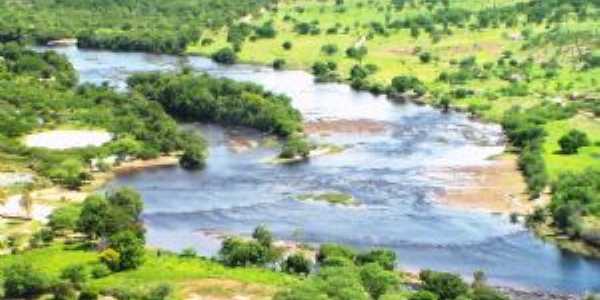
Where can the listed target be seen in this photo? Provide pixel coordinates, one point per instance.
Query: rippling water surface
(395, 175)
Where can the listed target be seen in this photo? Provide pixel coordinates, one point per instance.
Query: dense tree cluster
(127, 25)
(202, 98)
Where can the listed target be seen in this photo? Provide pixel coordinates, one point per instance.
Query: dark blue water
(396, 176)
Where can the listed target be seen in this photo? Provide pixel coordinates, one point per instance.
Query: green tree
(239, 253)
(93, 217)
(130, 249)
(333, 250)
(296, 264)
(357, 53)
(225, 56)
(423, 295)
(384, 257)
(193, 157)
(64, 218)
(572, 141)
(262, 235)
(376, 280)
(445, 285)
(295, 147)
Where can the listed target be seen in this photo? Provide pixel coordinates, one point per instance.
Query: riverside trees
(202, 98)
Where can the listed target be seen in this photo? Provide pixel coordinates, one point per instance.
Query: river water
(394, 174)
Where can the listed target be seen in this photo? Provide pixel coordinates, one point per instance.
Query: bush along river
(394, 161)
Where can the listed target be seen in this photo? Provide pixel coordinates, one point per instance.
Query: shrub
(238, 253)
(296, 264)
(105, 216)
(69, 173)
(64, 218)
(93, 215)
(423, 295)
(62, 291)
(572, 141)
(425, 57)
(329, 49)
(102, 270)
(225, 56)
(333, 250)
(88, 294)
(193, 157)
(336, 261)
(111, 258)
(266, 30)
(359, 72)
(376, 280)
(22, 281)
(262, 235)
(403, 84)
(160, 292)
(287, 45)
(384, 257)
(279, 64)
(75, 274)
(130, 249)
(295, 147)
(357, 53)
(445, 285)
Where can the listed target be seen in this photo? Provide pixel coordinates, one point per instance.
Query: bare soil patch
(497, 188)
(136, 165)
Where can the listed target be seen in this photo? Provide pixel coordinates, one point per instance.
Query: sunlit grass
(585, 158)
(157, 269)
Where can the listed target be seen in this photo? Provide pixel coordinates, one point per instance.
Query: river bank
(497, 187)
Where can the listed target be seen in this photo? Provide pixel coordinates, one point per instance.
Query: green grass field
(587, 156)
(166, 268)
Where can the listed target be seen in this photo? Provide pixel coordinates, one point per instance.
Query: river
(395, 174)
